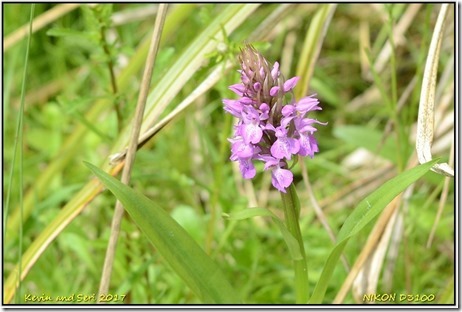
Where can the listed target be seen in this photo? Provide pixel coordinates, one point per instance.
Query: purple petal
(308, 145)
(284, 148)
(262, 73)
(269, 126)
(264, 108)
(270, 162)
(244, 76)
(286, 120)
(250, 114)
(237, 132)
(304, 125)
(274, 91)
(252, 133)
(257, 86)
(294, 146)
(308, 104)
(281, 132)
(233, 107)
(279, 149)
(281, 178)
(238, 88)
(241, 150)
(275, 71)
(290, 84)
(245, 100)
(288, 110)
(247, 168)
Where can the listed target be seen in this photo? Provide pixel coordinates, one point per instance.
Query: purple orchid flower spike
(268, 129)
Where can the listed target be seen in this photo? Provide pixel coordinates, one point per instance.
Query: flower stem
(291, 206)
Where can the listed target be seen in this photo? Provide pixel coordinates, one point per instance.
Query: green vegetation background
(185, 167)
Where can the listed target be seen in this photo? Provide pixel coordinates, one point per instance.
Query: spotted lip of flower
(268, 129)
(284, 146)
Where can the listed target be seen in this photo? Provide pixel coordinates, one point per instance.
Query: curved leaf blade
(178, 248)
(366, 210)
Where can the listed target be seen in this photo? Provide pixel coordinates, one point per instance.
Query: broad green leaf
(178, 248)
(290, 240)
(366, 210)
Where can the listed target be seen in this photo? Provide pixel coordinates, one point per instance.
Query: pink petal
(281, 178)
(284, 148)
(238, 88)
(305, 125)
(262, 72)
(274, 91)
(290, 84)
(252, 133)
(288, 110)
(308, 145)
(233, 107)
(275, 71)
(241, 150)
(308, 104)
(247, 168)
(246, 101)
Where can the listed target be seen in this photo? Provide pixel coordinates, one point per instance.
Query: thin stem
(291, 207)
(119, 210)
(19, 139)
(110, 64)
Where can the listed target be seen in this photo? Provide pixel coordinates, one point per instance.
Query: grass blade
(178, 248)
(366, 210)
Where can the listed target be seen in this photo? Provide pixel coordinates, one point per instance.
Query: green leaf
(366, 210)
(178, 248)
(290, 240)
